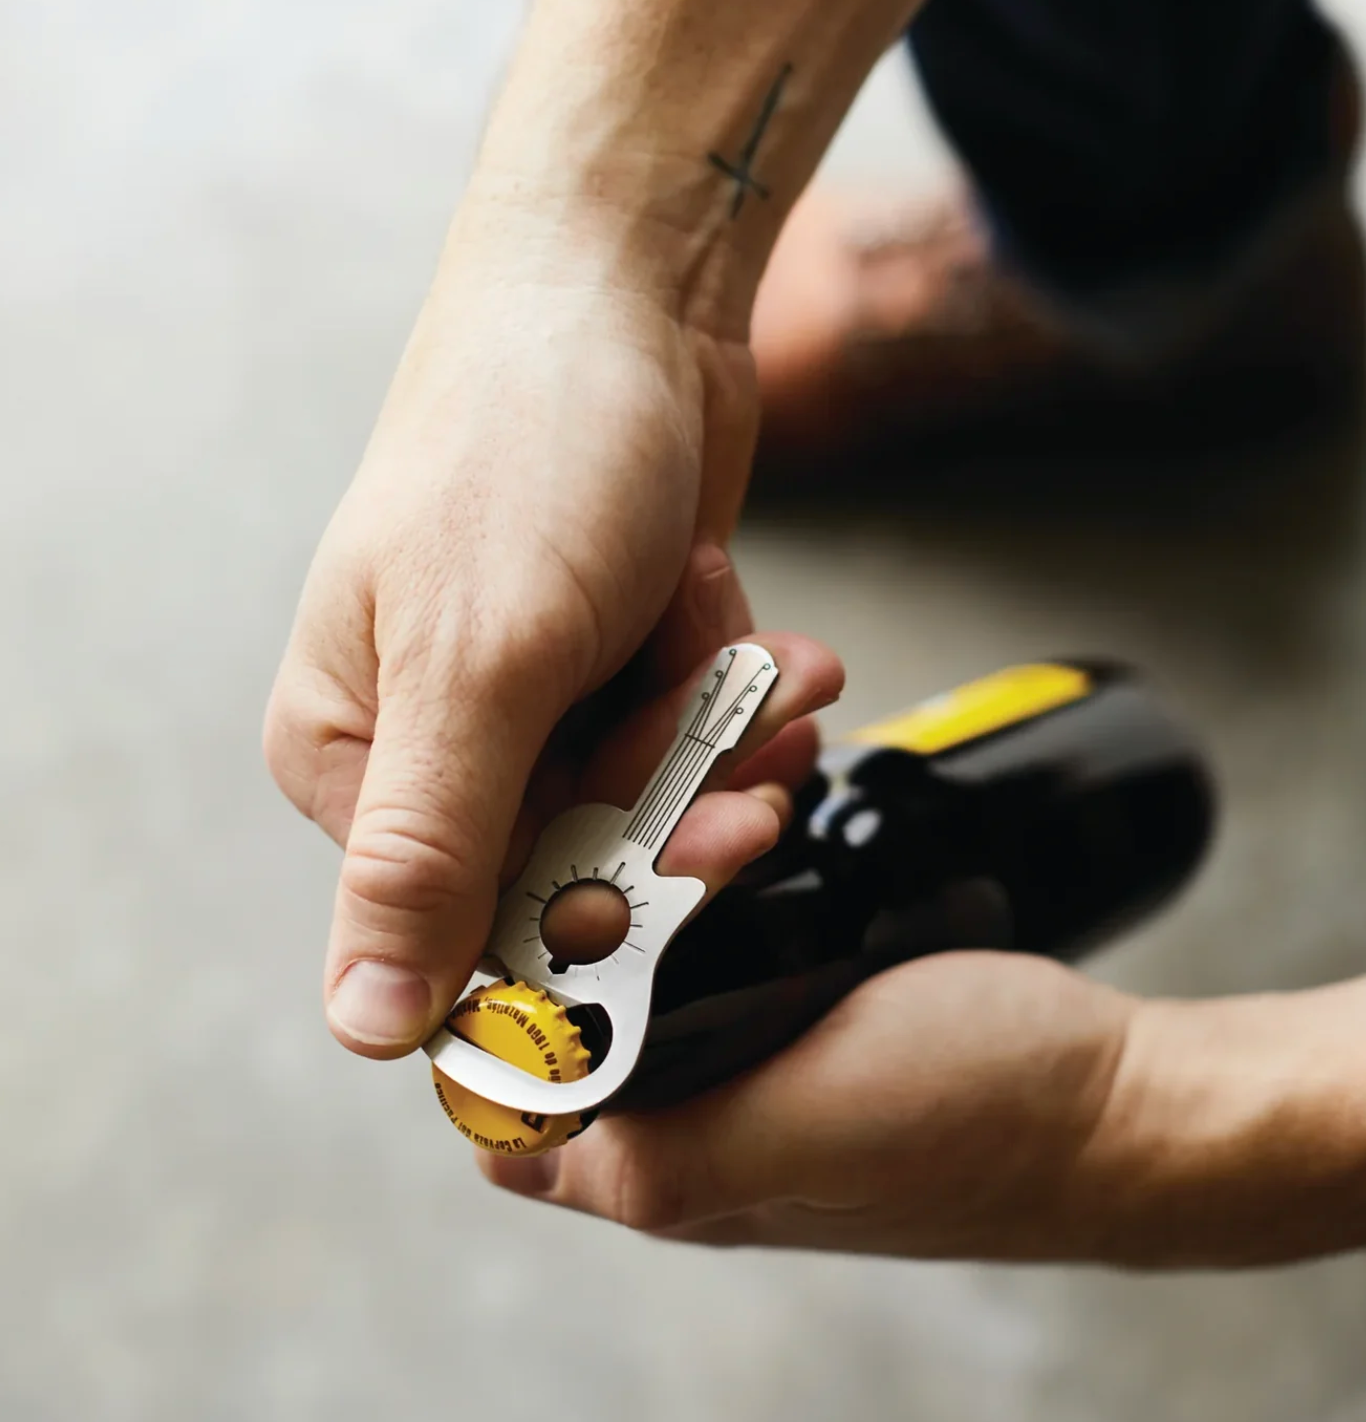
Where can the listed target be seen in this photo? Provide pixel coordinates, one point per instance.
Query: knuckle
(287, 744)
(314, 738)
(408, 861)
(646, 1196)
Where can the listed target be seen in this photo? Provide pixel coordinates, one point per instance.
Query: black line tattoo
(742, 171)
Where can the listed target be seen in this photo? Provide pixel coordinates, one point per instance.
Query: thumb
(418, 885)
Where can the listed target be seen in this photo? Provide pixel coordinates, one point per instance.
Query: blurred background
(216, 224)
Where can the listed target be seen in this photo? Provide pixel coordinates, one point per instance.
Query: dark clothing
(1117, 144)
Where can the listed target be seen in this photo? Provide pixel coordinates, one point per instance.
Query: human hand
(944, 1109)
(550, 486)
(996, 1106)
(574, 417)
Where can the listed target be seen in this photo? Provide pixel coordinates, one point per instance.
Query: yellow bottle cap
(522, 1026)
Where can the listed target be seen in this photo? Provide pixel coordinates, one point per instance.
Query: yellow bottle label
(979, 708)
(523, 1026)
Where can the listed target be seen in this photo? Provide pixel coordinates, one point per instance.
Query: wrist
(1234, 1134)
(661, 145)
(570, 232)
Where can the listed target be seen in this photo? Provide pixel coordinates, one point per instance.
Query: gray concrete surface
(216, 224)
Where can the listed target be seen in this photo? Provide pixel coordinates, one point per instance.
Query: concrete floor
(217, 224)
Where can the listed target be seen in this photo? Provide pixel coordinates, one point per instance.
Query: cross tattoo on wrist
(742, 170)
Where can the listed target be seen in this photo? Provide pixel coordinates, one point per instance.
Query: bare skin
(877, 312)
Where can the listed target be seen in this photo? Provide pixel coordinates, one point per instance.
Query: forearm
(1235, 1133)
(660, 144)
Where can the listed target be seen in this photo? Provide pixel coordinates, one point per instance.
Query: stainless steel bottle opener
(616, 847)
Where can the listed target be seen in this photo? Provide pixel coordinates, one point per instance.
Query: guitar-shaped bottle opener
(618, 848)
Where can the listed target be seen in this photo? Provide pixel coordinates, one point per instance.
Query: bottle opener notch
(619, 848)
